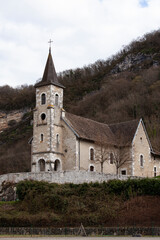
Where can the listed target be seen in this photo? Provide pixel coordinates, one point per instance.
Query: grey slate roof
(49, 76)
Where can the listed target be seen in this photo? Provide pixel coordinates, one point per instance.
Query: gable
(141, 132)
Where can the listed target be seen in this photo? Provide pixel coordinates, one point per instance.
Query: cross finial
(50, 42)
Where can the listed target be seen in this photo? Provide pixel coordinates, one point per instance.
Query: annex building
(66, 142)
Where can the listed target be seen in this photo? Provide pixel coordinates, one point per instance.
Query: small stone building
(66, 142)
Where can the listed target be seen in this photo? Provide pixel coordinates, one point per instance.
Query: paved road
(78, 238)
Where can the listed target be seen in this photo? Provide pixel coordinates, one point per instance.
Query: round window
(43, 116)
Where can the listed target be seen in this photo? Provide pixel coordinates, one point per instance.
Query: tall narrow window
(43, 99)
(91, 154)
(56, 99)
(141, 161)
(155, 171)
(111, 158)
(41, 137)
(57, 139)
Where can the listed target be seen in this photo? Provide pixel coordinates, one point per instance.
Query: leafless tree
(117, 154)
(101, 153)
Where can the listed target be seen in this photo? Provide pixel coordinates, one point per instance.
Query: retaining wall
(75, 177)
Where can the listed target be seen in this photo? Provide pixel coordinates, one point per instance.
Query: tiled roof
(88, 129)
(125, 130)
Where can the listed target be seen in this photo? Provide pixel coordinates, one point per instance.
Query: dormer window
(43, 98)
(56, 99)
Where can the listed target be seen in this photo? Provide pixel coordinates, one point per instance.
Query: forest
(103, 91)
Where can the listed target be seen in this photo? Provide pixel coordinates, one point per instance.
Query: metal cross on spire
(50, 42)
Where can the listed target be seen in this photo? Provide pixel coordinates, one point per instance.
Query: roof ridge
(105, 123)
(133, 120)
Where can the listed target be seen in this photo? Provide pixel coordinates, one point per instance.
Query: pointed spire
(49, 75)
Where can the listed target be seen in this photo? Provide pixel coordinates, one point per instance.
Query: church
(66, 142)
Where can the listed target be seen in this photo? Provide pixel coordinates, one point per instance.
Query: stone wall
(75, 177)
(112, 231)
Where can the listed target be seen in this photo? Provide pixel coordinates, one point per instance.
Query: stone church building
(66, 142)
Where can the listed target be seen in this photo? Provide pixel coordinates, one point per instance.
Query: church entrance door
(57, 165)
(41, 165)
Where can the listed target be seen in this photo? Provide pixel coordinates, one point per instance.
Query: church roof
(49, 75)
(125, 130)
(88, 129)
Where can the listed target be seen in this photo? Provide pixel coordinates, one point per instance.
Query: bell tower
(47, 128)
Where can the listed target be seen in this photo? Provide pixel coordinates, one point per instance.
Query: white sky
(82, 31)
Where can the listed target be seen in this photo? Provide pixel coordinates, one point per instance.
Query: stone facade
(45, 131)
(144, 164)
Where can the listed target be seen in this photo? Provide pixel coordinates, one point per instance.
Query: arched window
(111, 158)
(43, 116)
(43, 98)
(41, 137)
(91, 154)
(141, 161)
(91, 168)
(56, 99)
(57, 165)
(41, 164)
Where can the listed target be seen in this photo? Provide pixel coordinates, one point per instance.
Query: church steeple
(49, 75)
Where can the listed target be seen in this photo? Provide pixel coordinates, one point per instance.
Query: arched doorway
(57, 165)
(91, 168)
(41, 165)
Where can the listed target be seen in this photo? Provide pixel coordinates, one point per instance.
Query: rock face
(7, 191)
(136, 61)
(11, 118)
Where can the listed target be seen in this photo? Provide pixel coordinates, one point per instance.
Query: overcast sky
(82, 31)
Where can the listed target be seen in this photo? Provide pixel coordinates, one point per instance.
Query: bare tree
(121, 156)
(101, 154)
(117, 154)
